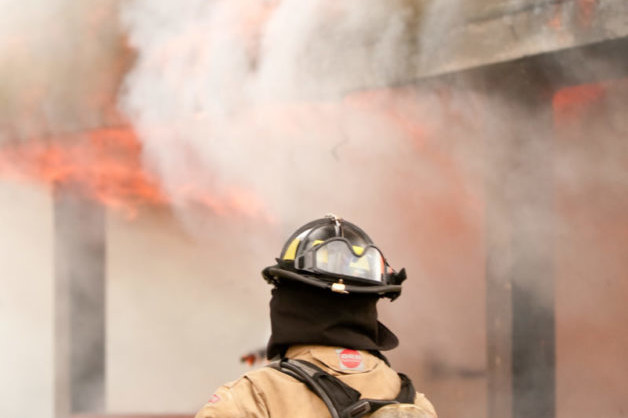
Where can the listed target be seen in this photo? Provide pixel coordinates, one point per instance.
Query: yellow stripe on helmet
(291, 252)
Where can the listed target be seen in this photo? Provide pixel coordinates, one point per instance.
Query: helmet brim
(275, 274)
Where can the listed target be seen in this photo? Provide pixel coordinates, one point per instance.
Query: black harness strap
(341, 399)
(407, 394)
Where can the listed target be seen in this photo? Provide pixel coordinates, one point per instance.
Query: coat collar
(339, 359)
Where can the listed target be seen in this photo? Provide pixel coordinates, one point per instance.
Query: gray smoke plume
(255, 96)
(268, 97)
(291, 102)
(60, 65)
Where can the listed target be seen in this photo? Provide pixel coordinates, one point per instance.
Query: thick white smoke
(60, 64)
(269, 100)
(255, 96)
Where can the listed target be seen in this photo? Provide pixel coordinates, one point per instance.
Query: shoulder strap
(336, 395)
(407, 394)
(341, 399)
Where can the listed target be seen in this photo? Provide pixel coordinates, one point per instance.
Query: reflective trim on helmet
(291, 251)
(338, 257)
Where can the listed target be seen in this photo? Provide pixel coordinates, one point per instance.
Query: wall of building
(180, 312)
(26, 300)
(464, 34)
(591, 241)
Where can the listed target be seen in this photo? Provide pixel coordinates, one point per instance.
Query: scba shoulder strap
(341, 399)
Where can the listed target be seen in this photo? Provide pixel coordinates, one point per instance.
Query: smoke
(60, 64)
(268, 97)
(282, 111)
(257, 96)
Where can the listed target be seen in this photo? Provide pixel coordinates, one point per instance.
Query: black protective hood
(302, 314)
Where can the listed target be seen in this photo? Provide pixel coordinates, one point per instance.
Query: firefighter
(326, 340)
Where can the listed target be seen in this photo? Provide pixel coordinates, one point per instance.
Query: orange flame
(106, 166)
(570, 103)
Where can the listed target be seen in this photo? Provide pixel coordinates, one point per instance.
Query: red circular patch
(215, 398)
(350, 358)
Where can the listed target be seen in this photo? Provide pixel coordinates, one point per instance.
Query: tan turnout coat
(269, 393)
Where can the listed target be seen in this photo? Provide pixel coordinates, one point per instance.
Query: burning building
(154, 155)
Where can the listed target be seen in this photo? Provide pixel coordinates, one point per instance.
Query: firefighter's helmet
(335, 254)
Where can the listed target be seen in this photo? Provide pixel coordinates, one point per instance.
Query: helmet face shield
(337, 257)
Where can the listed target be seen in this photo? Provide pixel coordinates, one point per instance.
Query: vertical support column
(79, 303)
(520, 289)
(498, 307)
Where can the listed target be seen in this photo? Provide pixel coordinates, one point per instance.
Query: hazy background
(211, 130)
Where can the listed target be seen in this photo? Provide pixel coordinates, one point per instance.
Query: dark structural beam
(519, 231)
(519, 219)
(79, 303)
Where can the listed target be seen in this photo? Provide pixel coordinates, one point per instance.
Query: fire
(584, 14)
(570, 103)
(105, 165)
